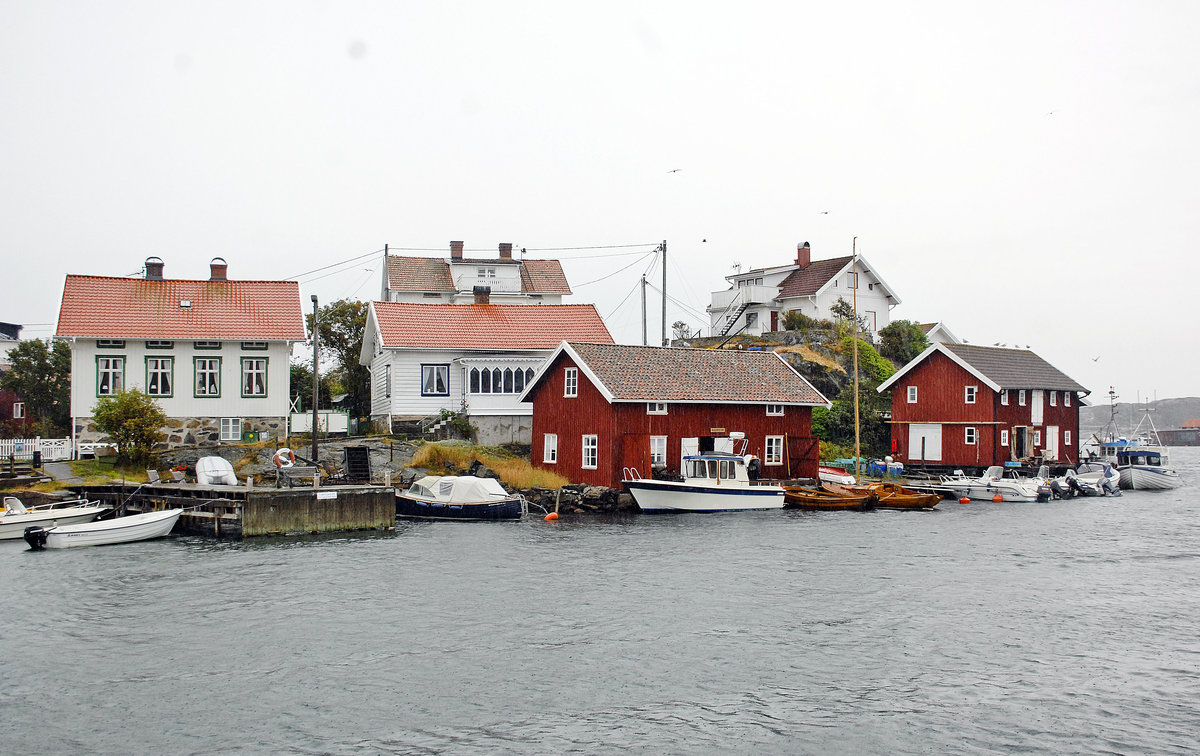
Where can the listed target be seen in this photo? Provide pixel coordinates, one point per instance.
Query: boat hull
(139, 527)
(13, 526)
(981, 492)
(659, 496)
(1141, 478)
(414, 508)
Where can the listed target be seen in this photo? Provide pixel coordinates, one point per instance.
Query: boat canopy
(458, 489)
(14, 506)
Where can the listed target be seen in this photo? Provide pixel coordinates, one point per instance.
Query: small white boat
(712, 482)
(15, 516)
(458, 497)
(837, 475)
(990, 485)
(138, 527)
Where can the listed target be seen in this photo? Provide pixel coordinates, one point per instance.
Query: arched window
(474, 380)
(486, 386)
(497, 381)
(519, 378)
(529, 375)
(508, 380)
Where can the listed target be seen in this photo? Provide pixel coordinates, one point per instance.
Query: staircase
(733, 320)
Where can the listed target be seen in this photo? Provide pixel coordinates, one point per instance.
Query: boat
(830, 474)
(1142, 459)
(892, 495)
(991, 484)
(138, 527)
(711, 482)
(1087, 479)
(800, 497)
(15, 516)
(458, 497)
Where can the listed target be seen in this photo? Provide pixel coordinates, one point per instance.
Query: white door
(723, 445)
(688, 447)
(925, 442)
(1050, 452)
(1035, 407)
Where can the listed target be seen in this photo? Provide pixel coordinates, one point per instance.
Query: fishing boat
(991, 484)
(138, 527)
(15, 516)
(891, 495)
(1142, 459)
(458, 497)
(800, 497)
(712, 482)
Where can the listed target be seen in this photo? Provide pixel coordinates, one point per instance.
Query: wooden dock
(241, 512)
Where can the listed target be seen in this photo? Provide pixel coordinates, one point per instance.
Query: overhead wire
(615, 272)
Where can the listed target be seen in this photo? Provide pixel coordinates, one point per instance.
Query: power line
(598, 246)
(615, 272)
(334, 265)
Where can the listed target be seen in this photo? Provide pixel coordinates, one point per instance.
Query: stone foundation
(189, 431)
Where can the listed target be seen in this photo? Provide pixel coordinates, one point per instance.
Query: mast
(854, 297)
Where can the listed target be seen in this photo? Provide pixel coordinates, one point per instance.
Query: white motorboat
(1088, 479)
(1143, 460)
(15, 516)
(138, 527)
(712, 482)
(991, 484)
(830, 474)
(459, 497)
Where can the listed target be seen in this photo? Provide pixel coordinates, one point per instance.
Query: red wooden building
(600, 408)
(963, 405)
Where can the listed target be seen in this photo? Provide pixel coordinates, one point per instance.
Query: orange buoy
(997, 497)
(965, 500)
(551, 516)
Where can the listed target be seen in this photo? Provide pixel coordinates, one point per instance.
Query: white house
(757, 300)
(454, 280)
(473, 358)
(214, 353)
(938, 333)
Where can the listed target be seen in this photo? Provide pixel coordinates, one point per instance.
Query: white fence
(328, 421)
(52, 449)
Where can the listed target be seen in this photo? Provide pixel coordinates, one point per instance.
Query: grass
(514, 471)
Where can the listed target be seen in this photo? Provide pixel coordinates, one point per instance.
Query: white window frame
(656, 408)
(970, 437)
(774, 410)
(590, 457)
(550, 449)
(1053, 398)
(1037, 438)
(1066, 398)
(18, 412)
(658, 450)
(773, 451)
(231, 422)
(1021, 398)
(387, 381)
(571, 382)
(969, 394)
(1066, 438)
(1004, 437)
(1004, 397)
(912, 394)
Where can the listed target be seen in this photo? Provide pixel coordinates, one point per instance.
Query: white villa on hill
(454, 280)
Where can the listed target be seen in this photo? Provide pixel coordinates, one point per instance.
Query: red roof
(804, 282)
(1191, 424)
(487, 326)
(100, 307)
(433, 274)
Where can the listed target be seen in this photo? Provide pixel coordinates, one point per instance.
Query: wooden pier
(242, 512)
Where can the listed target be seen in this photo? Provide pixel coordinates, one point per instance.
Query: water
(1066, 627)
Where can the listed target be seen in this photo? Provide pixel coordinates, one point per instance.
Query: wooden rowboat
(813, 498)
(891, 495)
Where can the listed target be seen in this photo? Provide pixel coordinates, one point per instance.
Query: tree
(41, 376)
(301, 375)
(901, 341)
(681, 330)
(134, 421)
(843, 312)
(341, 327)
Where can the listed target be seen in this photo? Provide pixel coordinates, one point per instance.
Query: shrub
(134, 421)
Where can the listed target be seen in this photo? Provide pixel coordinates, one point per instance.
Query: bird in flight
(675, 170)
(823, 212)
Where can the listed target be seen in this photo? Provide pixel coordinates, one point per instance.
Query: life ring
(285, 457)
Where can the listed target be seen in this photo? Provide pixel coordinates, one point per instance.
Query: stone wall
(189, 431)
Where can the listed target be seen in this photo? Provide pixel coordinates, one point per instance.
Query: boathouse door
(1050, 452)
(925, 442)
(688, 447)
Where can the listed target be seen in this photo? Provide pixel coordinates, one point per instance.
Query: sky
(1025, 172)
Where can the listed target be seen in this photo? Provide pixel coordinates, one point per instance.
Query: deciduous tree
(134, 421)
(41, 376)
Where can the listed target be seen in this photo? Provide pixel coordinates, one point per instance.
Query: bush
(134, 421)
(515, 472)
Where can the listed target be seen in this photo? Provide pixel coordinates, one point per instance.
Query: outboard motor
(1059, 490)
(1045, 491)
(35, 536)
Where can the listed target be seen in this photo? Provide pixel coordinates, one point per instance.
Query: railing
(52, 449)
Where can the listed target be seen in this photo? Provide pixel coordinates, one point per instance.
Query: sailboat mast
(854, 297)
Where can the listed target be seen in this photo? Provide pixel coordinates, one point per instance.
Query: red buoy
(964, 500)
(551, 516)
(997, 497)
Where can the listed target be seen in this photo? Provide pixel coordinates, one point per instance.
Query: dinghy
(138, 527)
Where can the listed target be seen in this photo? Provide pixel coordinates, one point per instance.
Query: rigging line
(610, 275)
(621, 304)
(679, 303)
(366, 278)
(334, 265)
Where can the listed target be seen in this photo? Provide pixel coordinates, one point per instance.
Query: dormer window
(656, 408)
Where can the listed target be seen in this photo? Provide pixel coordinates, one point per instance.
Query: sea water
(1062, 627)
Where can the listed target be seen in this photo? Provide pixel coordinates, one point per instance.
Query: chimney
(803, 255)
(154, 269)
(219, 269)
(456, 250)
(506, 251)
(483, 294)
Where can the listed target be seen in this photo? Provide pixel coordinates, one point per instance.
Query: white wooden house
(214, 354)
(454, 280)
(473, 358)
(757, 300)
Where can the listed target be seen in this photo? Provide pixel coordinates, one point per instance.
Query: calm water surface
(1066, 627)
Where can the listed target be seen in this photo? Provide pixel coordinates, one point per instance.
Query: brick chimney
(505, 250)
(154, 269)
(803, 255)
(483, 294)
(456, 250)
(219, 269)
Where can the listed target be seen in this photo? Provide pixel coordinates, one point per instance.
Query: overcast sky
(1024, 172)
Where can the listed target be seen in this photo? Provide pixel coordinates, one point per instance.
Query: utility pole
(644, 342)
(854, 297)
(663, 248)
(316, 381)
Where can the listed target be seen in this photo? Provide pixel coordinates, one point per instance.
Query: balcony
(732, 299)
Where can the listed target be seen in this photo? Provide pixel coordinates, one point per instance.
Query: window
(591, 451)
(160, 344)
(656, 408)
(110, 375)
(658, 450)
(1053, 398)
(775, 409)
(774, 454)
(111, 343)
(970, 394)
(1066, 438)
(912, 394)
(1004, 437)
(751, 318)
(1021, 397)
(206, 345)
(254, 376)
(1004, 397)
(435, 380)
(387, 380)
(208, 376)
(487, 272)
(497, 381)
(231, 429)
(1037, 438)
(254, 346)
(18, 410)
(969, 438)
(550, 448)
(571, 382)
(159, 374)
(1066, 398)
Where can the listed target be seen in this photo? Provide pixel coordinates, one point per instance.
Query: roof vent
(219, 269)
(154, 269)
(185, 303)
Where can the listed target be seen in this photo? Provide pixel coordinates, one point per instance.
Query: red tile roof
(1191, 424)
(101, 307)
(673, 374)
(433, 274)
(487, 326)
(804, 282)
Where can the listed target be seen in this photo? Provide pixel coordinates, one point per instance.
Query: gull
(675, 170)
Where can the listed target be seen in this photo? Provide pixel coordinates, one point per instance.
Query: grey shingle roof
(1014, 368)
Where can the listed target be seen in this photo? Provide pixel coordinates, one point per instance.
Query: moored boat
(138, 527)
(712, 482)
(991, 484)
(15, 516)
(800, 497)
(831, 474)
(458, 497)
(892, 495)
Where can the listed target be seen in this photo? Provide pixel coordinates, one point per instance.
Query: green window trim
(99, 357)
(160, 344)
(170, 371)
(254, 346)
(206, 345)
(196, 378)
(265, 378)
